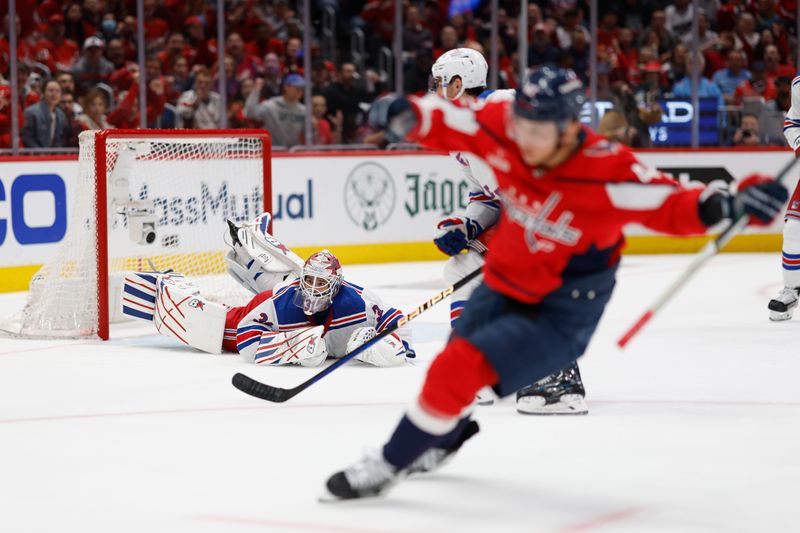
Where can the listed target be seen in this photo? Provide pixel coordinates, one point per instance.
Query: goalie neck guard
(320, 281)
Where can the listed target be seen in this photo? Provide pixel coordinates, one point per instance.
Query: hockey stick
(709, 250)
(255, 388)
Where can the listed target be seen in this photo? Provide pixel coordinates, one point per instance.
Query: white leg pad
(137, 298)
(259, 261)
(181, 313)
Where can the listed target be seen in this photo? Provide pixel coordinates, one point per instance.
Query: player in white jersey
(782, 306)
(460, 74)
(301, 313)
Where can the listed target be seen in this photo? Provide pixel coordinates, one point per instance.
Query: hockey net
(143, 200)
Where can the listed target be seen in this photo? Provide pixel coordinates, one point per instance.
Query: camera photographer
(749, 133)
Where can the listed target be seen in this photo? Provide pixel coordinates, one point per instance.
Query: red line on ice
(59, 418)
(599, 521)
(282, 526)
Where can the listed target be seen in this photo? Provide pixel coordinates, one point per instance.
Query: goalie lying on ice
(303, 319)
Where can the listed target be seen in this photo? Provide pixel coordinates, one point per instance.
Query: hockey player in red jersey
(460, 75)
(566, 194)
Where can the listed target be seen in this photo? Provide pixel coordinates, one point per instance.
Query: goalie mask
(320, 281)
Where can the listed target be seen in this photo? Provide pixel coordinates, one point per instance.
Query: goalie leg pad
(251, 273)
(258, 260)
(389, 351)
(181, 313)
(304, 347)
(138, 297)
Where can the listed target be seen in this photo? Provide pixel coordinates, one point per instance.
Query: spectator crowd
(77, 62)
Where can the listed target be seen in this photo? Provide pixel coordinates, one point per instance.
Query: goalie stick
(709, 250)
(255, 388)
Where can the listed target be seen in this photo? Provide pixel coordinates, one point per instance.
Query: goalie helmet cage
(174, 177)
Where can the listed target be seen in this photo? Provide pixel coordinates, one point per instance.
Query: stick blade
(260, 390)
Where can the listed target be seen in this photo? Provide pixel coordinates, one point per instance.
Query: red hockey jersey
(563, 221)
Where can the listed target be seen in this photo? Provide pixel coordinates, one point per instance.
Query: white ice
(694, 428)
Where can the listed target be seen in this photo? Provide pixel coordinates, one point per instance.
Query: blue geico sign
(16, 224)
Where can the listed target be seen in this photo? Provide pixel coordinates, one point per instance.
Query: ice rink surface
(694, 428)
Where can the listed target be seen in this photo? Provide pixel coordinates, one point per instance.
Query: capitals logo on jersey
(535, 220)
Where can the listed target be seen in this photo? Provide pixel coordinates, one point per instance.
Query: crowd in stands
(77, 62)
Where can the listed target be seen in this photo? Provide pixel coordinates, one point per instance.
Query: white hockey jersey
(791, 125)
(483, 206)
(353, 307)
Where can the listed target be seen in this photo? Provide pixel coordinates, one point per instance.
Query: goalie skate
(561, 393)
(782, 306)
(369, 477)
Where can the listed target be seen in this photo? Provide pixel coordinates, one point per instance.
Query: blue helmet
(551, 95)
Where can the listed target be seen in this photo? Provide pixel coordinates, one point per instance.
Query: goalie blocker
(298, 320)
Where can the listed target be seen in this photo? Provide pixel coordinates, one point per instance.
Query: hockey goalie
(301, 312)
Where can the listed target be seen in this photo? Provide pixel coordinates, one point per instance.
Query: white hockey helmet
(466, 63)
(320, 281)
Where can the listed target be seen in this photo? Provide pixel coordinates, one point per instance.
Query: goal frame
(101, 192)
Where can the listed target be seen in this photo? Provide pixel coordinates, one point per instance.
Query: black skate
(371, 476)
(561, 393)
(782, 306)
(437, 457)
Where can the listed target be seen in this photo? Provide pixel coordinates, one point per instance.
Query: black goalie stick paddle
(255, 388)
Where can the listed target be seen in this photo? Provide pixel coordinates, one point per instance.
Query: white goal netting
(166, 203)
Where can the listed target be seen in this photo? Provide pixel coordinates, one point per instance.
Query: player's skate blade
(370, 477)
(782, 306)
(561, 393)
(569, 404)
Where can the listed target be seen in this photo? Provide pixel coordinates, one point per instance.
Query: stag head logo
(369, 195)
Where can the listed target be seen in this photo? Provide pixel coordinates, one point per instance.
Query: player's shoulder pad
(349, 299)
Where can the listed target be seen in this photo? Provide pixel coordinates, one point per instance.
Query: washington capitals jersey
(353, 307)
(563, 221)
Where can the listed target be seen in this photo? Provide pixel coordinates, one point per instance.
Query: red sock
(454, 377)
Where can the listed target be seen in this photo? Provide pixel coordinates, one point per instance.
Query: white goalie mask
(320, 281)
(466, 63)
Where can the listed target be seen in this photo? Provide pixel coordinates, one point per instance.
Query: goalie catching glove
(389, 351)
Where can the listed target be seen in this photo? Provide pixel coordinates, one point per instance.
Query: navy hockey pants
(527, 342)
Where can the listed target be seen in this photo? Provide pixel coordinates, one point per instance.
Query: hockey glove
(455, 233)
(759, 196)
(389, 351)
(393, 115)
